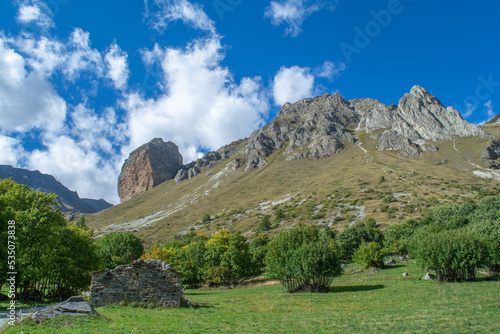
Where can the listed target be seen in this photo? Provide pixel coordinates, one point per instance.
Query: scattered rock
(441, 162)
(355, 271)
(405, 274)
(73, 306)
(428, 277)
(390, 262)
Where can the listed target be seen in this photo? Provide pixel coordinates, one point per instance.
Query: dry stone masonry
(142, 281)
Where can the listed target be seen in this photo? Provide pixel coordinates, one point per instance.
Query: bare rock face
(148, 166)
(492, 151)
(316, 128)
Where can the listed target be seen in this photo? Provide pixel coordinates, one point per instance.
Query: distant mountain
(322, 160)
(494, 120)
(68, 200)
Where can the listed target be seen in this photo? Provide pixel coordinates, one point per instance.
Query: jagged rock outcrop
(67, 200)
(492, 151)
(148, 166)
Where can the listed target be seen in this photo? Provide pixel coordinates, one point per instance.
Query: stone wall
(142, 281)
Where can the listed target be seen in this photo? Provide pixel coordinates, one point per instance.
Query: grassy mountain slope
(358, 183)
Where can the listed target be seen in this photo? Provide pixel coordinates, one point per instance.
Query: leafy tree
(190, 260)
(48, 251)
(119, 248)
(301, 260)
(229, 251)
(163, 253)
(258, 249)
(75, 257)
(369, 254)
(349, 240)
(397, 236)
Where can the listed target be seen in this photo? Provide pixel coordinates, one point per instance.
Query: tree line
(54, 258)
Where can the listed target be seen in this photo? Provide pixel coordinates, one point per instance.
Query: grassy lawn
(366, 301)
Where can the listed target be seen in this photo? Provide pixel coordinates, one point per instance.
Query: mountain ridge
(67, 200)
(347, 140)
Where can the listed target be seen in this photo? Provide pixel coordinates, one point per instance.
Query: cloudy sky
(83, 83)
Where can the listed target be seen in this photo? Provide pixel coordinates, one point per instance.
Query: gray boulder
(73, 306)
(428, 277)
(390, 262)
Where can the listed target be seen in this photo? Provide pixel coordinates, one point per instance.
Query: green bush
(349, 240)
(454, 255)
(264, 224)
(397, 236)
(302, 259)
(369, 254)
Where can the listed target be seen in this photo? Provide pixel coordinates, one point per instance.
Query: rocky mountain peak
(312, 128)
(148, 166)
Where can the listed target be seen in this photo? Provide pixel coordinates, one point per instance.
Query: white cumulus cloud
(191, 14)
(293, 13)
(292, 84)
(77, 167)
(117, 66)
(12, 151)
(202, 107)
(27, 100)
(34, 11)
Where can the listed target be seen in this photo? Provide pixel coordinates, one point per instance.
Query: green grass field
(364, 302)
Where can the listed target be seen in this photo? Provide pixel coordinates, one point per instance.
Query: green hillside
(358, 183)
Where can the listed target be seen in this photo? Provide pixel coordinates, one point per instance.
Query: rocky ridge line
(317, 128)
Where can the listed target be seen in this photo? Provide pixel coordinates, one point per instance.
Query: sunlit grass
(366, 301)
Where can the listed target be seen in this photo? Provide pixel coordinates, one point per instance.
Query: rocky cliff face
(316, 128)
(68, 200)
(148, 166)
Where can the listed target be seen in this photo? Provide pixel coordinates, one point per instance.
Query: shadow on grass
(393, 266)
(355, 288)
(493, 278)
(201, 305)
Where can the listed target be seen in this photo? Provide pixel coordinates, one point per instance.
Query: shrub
(397, 236)
(264, 224)
(302, 259)
(369, 254)
(454, 255)
(205, 219)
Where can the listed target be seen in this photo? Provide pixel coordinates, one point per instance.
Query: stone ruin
(142, 281)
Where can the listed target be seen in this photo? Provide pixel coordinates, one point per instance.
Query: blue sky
(83, 83)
